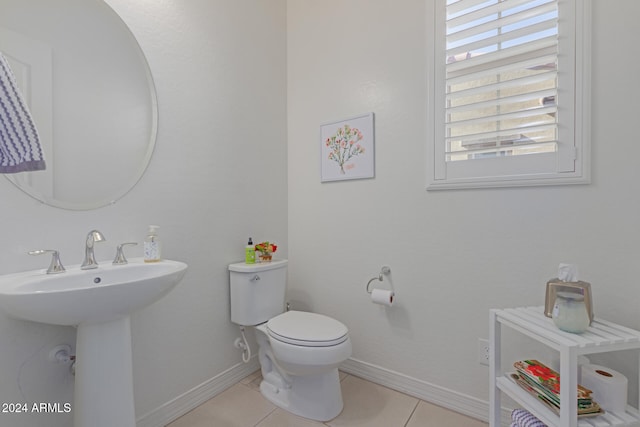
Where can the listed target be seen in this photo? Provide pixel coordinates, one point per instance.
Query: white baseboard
(191, 399)
(456, 401)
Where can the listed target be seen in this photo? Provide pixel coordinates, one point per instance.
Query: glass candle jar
(570, 313)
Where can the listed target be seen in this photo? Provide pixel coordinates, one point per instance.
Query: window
(509, 93)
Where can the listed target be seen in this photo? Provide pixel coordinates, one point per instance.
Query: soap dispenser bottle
(250, 253)
(152, 245)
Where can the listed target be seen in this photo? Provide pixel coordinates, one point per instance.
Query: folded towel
(524, 418)
(20, 148)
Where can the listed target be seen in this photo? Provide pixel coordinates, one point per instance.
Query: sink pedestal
(104, 375)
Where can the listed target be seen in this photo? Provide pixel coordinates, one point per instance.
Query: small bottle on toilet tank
(250, 253)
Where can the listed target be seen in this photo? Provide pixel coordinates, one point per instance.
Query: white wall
(220, 72)
(219, 69)
(454, 254)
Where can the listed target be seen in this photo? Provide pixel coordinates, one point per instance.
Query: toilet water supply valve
(62, 354)
(242, 344)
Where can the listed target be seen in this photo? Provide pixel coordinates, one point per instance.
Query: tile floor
(365, 404)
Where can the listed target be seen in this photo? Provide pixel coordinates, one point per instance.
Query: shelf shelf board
(602, 335)
(629, 419)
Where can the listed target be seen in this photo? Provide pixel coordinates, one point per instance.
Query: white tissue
(381, 296)
(568, 272)
(609, 387)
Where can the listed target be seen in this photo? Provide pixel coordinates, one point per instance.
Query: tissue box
(556, 285)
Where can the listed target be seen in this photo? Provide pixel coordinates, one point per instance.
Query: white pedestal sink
(99, 302)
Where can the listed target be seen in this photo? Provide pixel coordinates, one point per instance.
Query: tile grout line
(412, 412)
(248, 387)
(265, 417)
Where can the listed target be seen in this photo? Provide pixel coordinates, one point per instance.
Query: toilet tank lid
(242, 267)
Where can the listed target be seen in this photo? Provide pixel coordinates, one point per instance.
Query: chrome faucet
(56, 266)
(89, 258)
(120, 258)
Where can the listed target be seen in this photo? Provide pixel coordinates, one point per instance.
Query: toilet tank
(257, 291)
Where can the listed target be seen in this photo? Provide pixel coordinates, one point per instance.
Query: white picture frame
(347, 149)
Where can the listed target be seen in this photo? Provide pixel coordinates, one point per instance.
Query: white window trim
(516, 173)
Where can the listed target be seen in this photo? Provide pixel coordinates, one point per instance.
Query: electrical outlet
(483, 351)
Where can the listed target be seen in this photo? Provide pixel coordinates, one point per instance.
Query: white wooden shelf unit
(602, 336)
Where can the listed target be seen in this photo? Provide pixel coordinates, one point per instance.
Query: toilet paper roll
(382, 296)
(609, 387)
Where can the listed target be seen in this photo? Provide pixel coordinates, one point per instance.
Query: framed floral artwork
(347, 150)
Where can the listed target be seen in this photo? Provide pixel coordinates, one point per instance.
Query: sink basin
(99, 302)
(80, 296)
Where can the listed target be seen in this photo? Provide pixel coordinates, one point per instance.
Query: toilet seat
(307, 329)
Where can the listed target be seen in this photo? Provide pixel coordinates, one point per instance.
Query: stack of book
(544, 383)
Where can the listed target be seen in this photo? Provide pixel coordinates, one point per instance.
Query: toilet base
(317, 397)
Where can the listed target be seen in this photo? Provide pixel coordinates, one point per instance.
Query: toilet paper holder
(384, 270)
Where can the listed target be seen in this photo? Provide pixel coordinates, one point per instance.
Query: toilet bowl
(300, 371)
(299, 352)
(307, 343)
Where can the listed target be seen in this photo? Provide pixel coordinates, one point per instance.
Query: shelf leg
(568, 388)
(494, 370)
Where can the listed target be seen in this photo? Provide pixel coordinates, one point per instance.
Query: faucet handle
(120, 259)
(56, 266)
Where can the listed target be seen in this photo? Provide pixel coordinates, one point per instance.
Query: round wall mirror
(91, 95)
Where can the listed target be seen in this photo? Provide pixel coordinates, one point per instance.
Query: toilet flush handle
(255, 278)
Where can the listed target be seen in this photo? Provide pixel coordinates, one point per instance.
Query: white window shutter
(504, 75)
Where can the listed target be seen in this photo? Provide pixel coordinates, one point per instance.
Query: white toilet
(299, 352)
